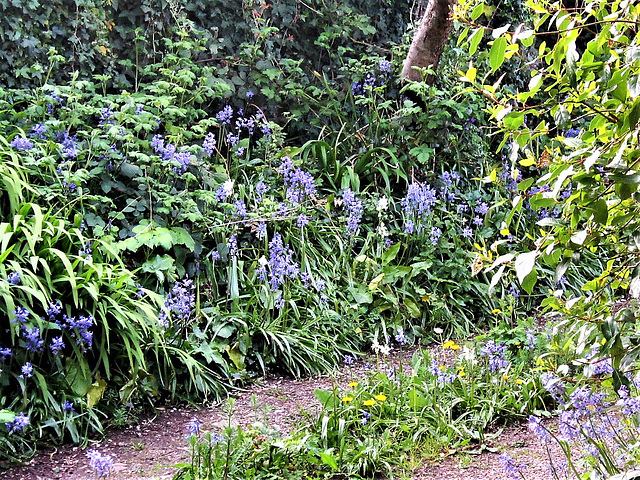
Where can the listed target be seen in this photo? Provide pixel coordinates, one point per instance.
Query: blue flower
(348, 360)
(27, 370)
(32, 340)
(18, 424)
(57, 344)
(510, 466)
(467, 232)
(496, 354)
(5, 353)
(67, 407)
(38, 130)
(102, 464)
(224, 115)
(209, 144)
(249, 95)
(355, 209)
(436, 233)
(21, 144)
(535, 425)
(384, 66)
(303, 220)
(20, 315)
(193, 427)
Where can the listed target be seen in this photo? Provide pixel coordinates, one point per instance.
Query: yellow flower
(448, 344)
(461, 373)
(495, 311)
(518, 343)
(519, 382)
(505, 377)
(455, 346)
(347, 399)
(441, 367)
(353, 384)
(380, 398)
(369, 402)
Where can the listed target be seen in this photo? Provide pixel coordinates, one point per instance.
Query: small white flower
(383, 204)
(438, 331)
(382, 230)
(337, 201)
(228, 187)
(385, 349)
(263, 261)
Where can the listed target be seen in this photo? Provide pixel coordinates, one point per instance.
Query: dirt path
(146, 451)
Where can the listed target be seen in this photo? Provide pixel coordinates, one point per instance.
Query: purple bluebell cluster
(365, 417)
(496, 354)
(26, 370)
(232, 245)
(554, 386)
(101, 463)
(261, 189)
(5, 353)
(13, 278)
(106, 115)
(68, 407)
(32, 340)
(535, 426)
(224, 116)
(193, 427)
(39, 130)
(436, 233)
(68, 144)
(348, 360)
(530, 340)
(603, 367)
(240, 209)
(80, 329)
(168, 152)
(281, 264)
(417, 206)
(180, 302)
(511, 467)
(19, 423)
(209, 144)
(355, 209)
(21, 144)
(440, 373)
(20, 315)
(302, 221)
(384, 66)
(57, 345)
(300, 184)
(400, 337)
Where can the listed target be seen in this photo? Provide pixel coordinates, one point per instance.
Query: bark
(429, 40)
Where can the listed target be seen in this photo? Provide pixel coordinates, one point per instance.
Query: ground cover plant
(175, 225)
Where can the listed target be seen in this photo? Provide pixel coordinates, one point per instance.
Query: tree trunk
(429, 40)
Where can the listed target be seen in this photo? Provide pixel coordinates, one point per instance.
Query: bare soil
(149, 449)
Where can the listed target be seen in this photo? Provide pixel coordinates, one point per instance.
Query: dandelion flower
(370, 402)
(380, 397)
(353, 384)
(347, 399)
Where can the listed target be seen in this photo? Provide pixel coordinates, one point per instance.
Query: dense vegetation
(251, 189)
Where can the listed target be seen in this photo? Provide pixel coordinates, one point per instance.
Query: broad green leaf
(96, 391)
(524, 264)
(496, 54)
